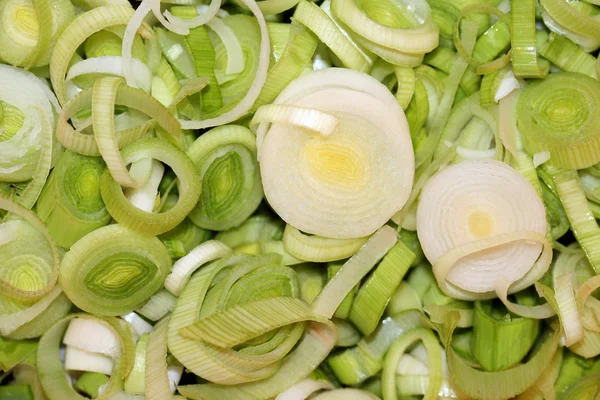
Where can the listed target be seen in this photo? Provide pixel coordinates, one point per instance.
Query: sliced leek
(504, 219)
(560, 115)
(225, 158)
(112, 270)
(333, 195)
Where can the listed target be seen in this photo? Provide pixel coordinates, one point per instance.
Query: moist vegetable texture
(287, 199)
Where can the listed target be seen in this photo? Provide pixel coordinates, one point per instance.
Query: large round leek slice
(561, 115)
(344, 182)
(70, 203)
(225, 158)
(29, 29)
(112, 270)
(482, 225)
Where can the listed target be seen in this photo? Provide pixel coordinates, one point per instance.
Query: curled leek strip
(356, 364)
(146, 222)
(298, 51)
(333, 187)
(71, 204)
(482, 66)
(184, 268)
(395, 353)
(561, 115)
(30, 30)
(112, 65)
(584, 29)
(244, 280)
(80, 29)
(319, 249)
(79, 141)
(56, 383)
(225, 158)
(494, 332)
(156, 377)
(371, 299)
(104, 97)
(317, 20)
(487, 247)
(346, 393)
(303, 389)
(353, 271)
(500, 384)
(159, 305)
(419, 37)
(33, 278)
(112, 270)
(240, 285)
(524, 53)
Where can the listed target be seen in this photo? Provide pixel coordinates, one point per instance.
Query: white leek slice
(410, 365)
(82, 360)
(303, 389)
(480, 224)
(247, 102)
(20, 154)
(540, 158)
(507, 85)
(93, 336)
(174, 374)
(113, 65)
(184, 267)
(144, 197)
(138, 325)
(346, 184)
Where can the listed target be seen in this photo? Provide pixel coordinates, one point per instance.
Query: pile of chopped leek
(289, 200)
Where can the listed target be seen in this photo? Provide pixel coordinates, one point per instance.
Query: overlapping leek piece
(290, 200)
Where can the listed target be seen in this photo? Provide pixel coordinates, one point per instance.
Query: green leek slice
(560, 115)
(225, 158)
(112, 270)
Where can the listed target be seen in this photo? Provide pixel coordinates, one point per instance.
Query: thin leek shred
(524, 53)
(370, 301)
(345, 305)
(439, 119)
